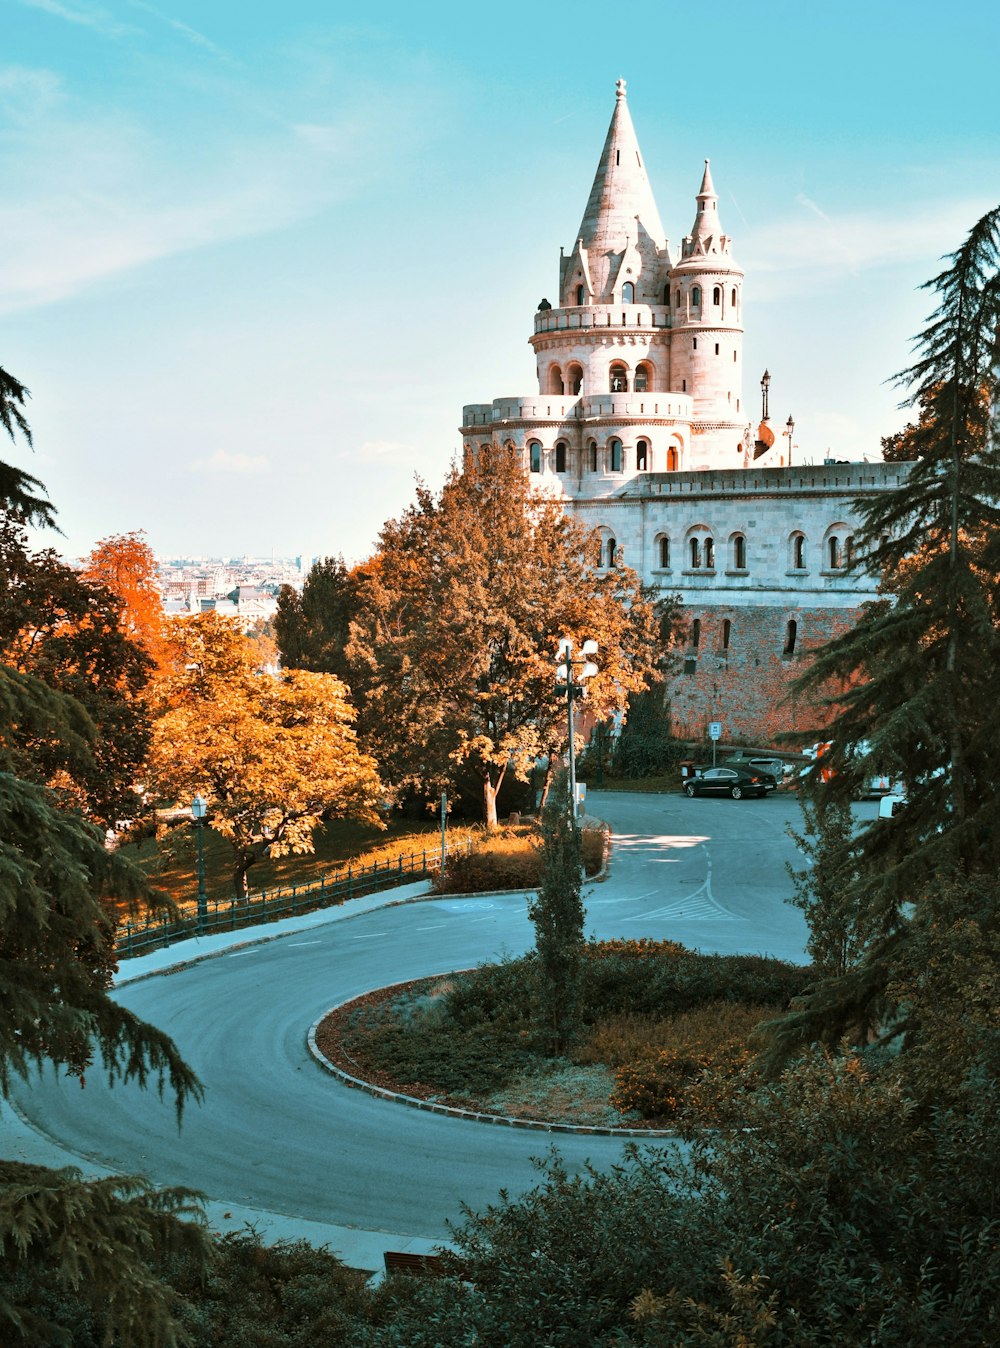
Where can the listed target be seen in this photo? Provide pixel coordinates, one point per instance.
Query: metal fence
(135, 938)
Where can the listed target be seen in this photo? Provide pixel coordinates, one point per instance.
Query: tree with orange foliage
(125, 565)
(274, 754)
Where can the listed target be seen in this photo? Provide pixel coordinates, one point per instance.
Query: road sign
(715, 730)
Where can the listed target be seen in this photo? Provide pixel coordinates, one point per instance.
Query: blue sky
(255, 257)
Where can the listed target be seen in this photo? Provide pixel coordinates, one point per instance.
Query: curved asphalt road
(277, 1135)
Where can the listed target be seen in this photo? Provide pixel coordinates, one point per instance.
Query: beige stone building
(639, 424)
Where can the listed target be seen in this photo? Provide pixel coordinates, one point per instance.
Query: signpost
(714, 734)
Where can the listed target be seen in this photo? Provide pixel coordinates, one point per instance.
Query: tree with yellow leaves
(273, 754)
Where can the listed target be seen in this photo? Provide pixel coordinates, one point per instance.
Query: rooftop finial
(621, 89)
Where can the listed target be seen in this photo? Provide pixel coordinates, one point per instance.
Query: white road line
(434, 927)
(368, 936)
(303, 942)
(235, 954)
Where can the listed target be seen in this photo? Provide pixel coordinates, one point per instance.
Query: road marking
(235, 954)
(434, 927)
(303, 942)
(368, 936)
(702, 908)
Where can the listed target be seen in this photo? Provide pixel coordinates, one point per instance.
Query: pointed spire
(620, 208)
(706, 233)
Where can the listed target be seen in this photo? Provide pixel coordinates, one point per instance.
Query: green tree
(557, 913)
(17, 488)
(825, 888)
(90, 1240)
(274, 755)
(458, 622)
(313, 629)
(917, 674)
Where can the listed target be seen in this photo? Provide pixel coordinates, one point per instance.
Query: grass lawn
(172, 863)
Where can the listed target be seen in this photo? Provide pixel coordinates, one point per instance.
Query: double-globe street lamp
(572, 674)
(199, 808)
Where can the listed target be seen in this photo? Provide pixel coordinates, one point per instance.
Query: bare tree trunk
(491, 790)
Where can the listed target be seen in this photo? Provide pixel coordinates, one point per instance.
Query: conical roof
(620, 209)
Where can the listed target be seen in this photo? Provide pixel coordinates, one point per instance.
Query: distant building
(639, 424)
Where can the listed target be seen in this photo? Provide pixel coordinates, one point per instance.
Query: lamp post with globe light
(573, 686)
(199, 808)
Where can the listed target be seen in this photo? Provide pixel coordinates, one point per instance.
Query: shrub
(511, 858)
(659, 1088)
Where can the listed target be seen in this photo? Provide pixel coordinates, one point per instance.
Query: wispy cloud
(184, 30)
(86, 16)
(814, 250)
(224, 461)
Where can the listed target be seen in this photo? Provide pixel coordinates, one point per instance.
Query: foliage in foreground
(557, 914)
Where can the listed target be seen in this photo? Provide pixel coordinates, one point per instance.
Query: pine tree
(917, 675)
(558, 916)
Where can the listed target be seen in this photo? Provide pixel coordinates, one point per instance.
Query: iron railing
(154, 933)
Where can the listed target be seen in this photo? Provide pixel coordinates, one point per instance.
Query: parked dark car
(771, 769)
(734, 782)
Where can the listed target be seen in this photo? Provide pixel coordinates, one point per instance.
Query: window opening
(696, 294)
(593, 456)
(834, 553)
(664, 554)
(791, 635)
(616, 456)
(612, 545)
(727, 628)
(579, 294)
(641, 453)
(628, 293)
(716, 294)
(799, 553)
(561, 457)
(641, 380)
(696, 632)
(709, 552)
(739, 552)
(536, 456)
(695, 554)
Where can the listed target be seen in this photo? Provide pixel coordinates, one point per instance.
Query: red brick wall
(746, 686)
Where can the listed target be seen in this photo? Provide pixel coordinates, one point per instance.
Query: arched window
(618, 378)
(798, 552)
(615, 455)
(664, 554)
(666, 295)
(574, 378)
(727, 631)
(580, 294)
(791, 636)
(709, 553)
(696, 295)
(696, 632)
(561, 457)
(612, 548)
(835, 556)
(849, 550)
(535, 456)
(671, 460)
(641, 382)
(628, 293)
(555, 380)
(734, 297)
(739, 552)
(592, 456)
(677, 300)
(717, 294)
(695, 553)
(642, 456)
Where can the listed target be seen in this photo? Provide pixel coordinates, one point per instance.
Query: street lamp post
(199, 808)
(789, 431)
(573, 688)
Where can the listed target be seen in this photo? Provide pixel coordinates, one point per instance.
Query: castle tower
(706, 348)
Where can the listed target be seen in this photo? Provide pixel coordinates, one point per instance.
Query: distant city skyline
(253, 261)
